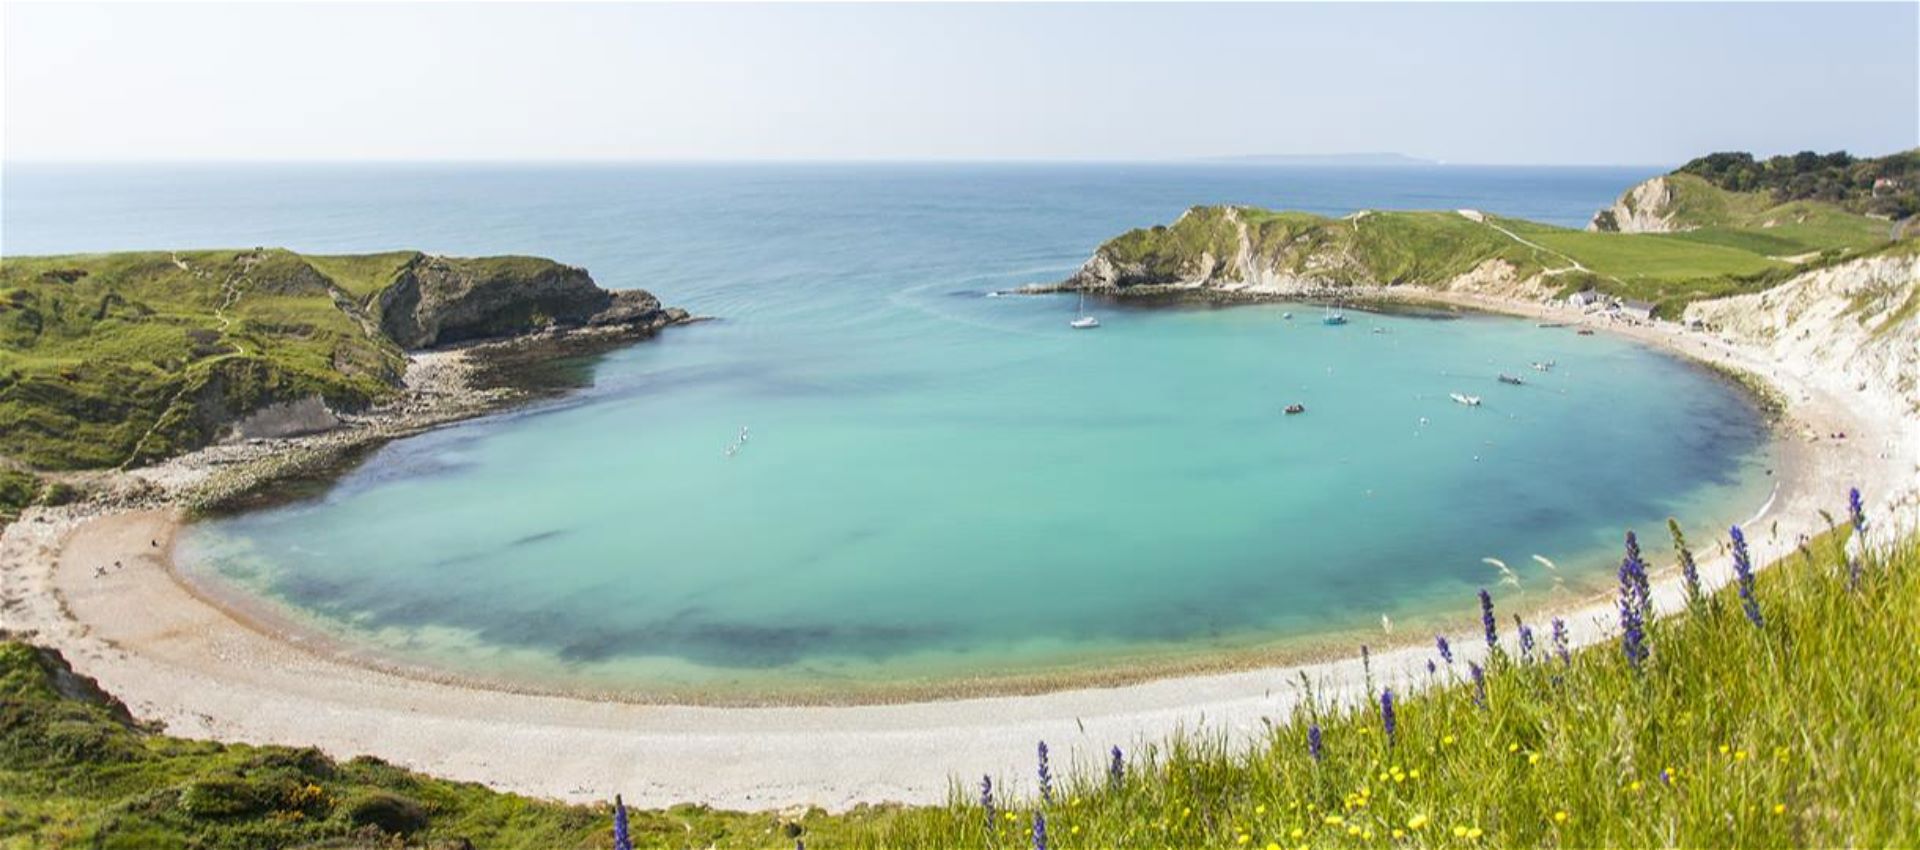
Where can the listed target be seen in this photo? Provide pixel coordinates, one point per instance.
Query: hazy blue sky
(1509, 83)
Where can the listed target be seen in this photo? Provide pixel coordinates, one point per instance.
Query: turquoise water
(937, 485)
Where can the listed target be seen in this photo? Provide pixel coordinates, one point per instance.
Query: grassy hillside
(1795, 730)
(1731, 242)
(111, 358)
(117, 359)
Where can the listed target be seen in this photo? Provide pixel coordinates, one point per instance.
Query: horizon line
(1221, 160)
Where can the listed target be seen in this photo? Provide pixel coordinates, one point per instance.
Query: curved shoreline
(175, 657)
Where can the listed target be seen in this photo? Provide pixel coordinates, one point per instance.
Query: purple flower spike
(621, 839)
(1313, 741)
(1743, 573)
(1386, 714)
(1117, 767)
(1560, 642)
(1446, 649)
(1046, 775)
(1039, 831)
(1526, 643)
(1486, 619)
(1479, 684)
(986, 799)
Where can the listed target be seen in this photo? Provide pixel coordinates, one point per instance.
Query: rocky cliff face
(1646, 208)
(1854, 326)
(440, 301)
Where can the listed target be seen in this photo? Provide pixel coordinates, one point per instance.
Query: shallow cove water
(938, 490)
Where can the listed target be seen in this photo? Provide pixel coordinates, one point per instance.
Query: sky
(1497, 83)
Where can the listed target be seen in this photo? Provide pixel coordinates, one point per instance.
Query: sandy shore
(93, 582)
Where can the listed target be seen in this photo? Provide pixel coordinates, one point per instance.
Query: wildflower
(1459, 831)
(1743, 571)
(1334, 820)
(1634, 786)
(1473, 832)
(1446, 649)
(1633, 636)
(1313, 741)
(1634, 568)
(1117, 767)
(1689, 571)
(1560, 642)
(1447, 741)
(1779, 808)
(1560, 816)
(1386, 713)
(1431, 669)
(1533, 758)
(1526, 643)
(1243, 838)
(1666, 776)
(621, 840)
(1273, 845)
(986, 799)
(1039, 831)
(1486, 619)
(1046, 775)
(1479, 684)
(1857, 516)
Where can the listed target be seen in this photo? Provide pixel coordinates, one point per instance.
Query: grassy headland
(1787, 724)
(114, 360)
(1691, 239)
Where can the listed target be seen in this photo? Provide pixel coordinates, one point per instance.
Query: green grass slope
(116, 359)
(111, 358)
(1797, 732)
(1730, 242)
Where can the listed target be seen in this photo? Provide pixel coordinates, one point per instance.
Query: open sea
(938, 489)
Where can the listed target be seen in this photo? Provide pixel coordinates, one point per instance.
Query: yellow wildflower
(1473, 832)
(1076, 829)
(1296, 832)
(1560, 816)
(1417, 822)
(1414, 773)
(1353, 830)
(1447, 741)
(1533, 758)
(1271, 845)
(1513, 748)
(1399, 833)
(1459, 831)
(1335, 820)
(1739, 755)
(1260, 809)
(1724, 748)
(1634, 786)
(1779, 808)
(1244, 838)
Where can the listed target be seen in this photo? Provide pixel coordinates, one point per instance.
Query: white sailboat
(1086, 320)
(1463, 398)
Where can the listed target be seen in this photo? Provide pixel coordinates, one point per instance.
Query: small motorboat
(1468, 400)
(1379, 330)
(1334, 318)
(1585, 332)
(1543, 365)
(1287, 315)
(1509, 379)
(1296, 407)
